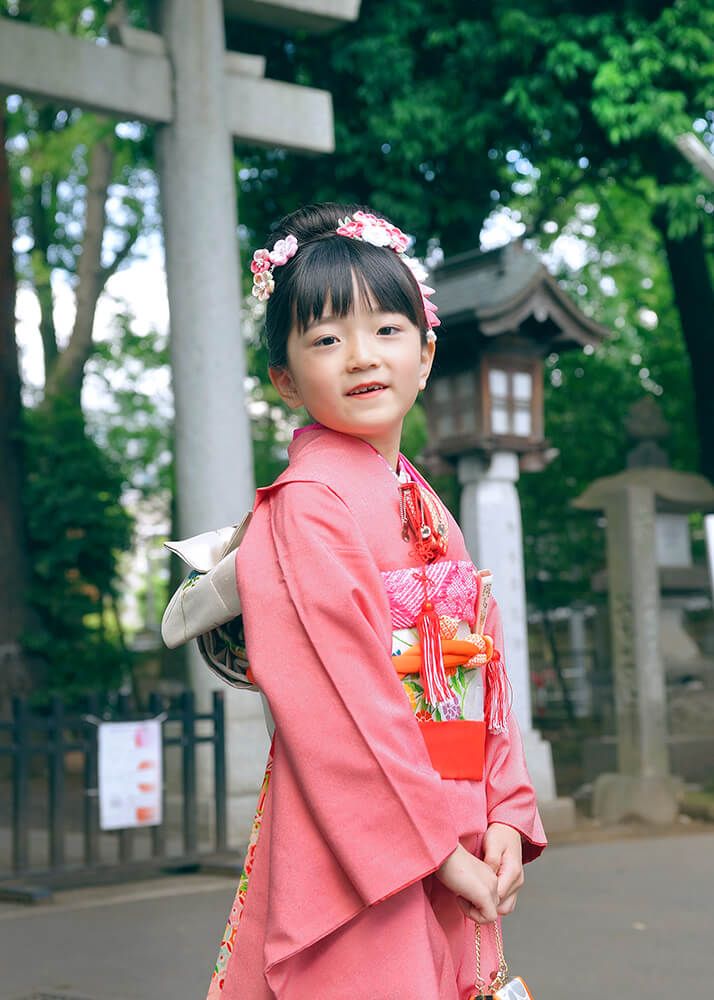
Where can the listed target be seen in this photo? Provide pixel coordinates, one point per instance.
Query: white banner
(130, 776)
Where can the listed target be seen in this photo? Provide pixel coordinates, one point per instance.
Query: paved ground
(633, 917)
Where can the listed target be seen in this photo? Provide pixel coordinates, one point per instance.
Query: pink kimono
(353, 819)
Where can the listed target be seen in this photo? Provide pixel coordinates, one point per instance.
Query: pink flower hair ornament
(380, 233)
(263, 263)
(359, 226)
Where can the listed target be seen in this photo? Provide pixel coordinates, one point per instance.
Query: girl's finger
(485, 914)
(493, 857)
(507, 905)
(510, 878)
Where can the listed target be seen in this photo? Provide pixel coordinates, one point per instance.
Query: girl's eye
(326, 341)
(388, 330)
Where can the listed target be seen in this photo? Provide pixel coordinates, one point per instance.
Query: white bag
(206, 607)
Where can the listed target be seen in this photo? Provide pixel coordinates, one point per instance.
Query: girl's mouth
(366, 389)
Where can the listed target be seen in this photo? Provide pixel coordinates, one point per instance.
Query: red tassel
(418, 521)
(433, 674)
(498, 694)
(422, 522)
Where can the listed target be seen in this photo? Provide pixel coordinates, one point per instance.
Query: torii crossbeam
(133, 80)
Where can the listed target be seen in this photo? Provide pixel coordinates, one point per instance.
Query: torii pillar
(213, 454)
(200, 96)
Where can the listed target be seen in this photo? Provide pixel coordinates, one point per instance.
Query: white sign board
(130, 777)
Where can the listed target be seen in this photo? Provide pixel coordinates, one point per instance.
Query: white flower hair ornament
(360, 226)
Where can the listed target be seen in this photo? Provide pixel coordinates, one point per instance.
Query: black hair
(325, 269)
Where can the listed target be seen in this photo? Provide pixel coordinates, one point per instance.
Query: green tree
(561, 116)
(133, 425)
(444, 112)
(601, 95)
(587, 395)
(15, 616)
(76, 189)
(77, 527)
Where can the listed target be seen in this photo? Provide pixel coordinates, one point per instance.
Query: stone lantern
(497, 404)
(502, 314)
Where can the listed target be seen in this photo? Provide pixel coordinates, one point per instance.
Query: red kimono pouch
(456, 748)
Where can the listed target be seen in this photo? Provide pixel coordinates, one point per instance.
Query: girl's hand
(503, 853)
(474, 884)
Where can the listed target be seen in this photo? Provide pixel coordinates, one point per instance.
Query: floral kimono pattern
(229, 935)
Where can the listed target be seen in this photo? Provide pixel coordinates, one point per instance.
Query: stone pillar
(581, 690)
(643, 787)
(709, 536)
(491, 522)
(212, 438)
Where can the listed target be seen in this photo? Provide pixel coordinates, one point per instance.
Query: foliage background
(549, 120)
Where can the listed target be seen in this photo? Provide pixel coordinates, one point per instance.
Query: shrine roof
(505, 288)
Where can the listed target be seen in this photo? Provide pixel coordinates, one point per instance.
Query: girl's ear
(286, 387)
(427, 360)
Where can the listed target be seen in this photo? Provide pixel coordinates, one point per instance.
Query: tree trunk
(65, 378)
(41, 278)
(15, 675)
(694, 298)
(42, 237)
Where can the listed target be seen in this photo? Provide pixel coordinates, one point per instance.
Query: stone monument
(638, 540)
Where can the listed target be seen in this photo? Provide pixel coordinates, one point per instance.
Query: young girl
(396, 813)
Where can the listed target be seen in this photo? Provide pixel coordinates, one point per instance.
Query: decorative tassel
(498, 694)
(433, 674)
(422, 522)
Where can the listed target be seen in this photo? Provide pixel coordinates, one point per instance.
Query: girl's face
(358, 374)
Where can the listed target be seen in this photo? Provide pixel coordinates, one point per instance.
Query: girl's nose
(362, 352)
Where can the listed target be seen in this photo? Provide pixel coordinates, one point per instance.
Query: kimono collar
(303, 435)
(319, 454)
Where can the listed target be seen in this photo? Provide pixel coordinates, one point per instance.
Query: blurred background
(551, 155)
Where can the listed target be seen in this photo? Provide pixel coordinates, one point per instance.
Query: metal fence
(579, 689)
(50, 836)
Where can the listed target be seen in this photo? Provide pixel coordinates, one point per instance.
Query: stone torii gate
(202, 96)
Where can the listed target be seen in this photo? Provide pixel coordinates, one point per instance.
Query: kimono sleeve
(319, 640)
(510, 798)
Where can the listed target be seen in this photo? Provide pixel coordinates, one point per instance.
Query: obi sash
(456, 746)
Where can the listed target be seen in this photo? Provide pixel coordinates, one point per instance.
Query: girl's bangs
(329, 272)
